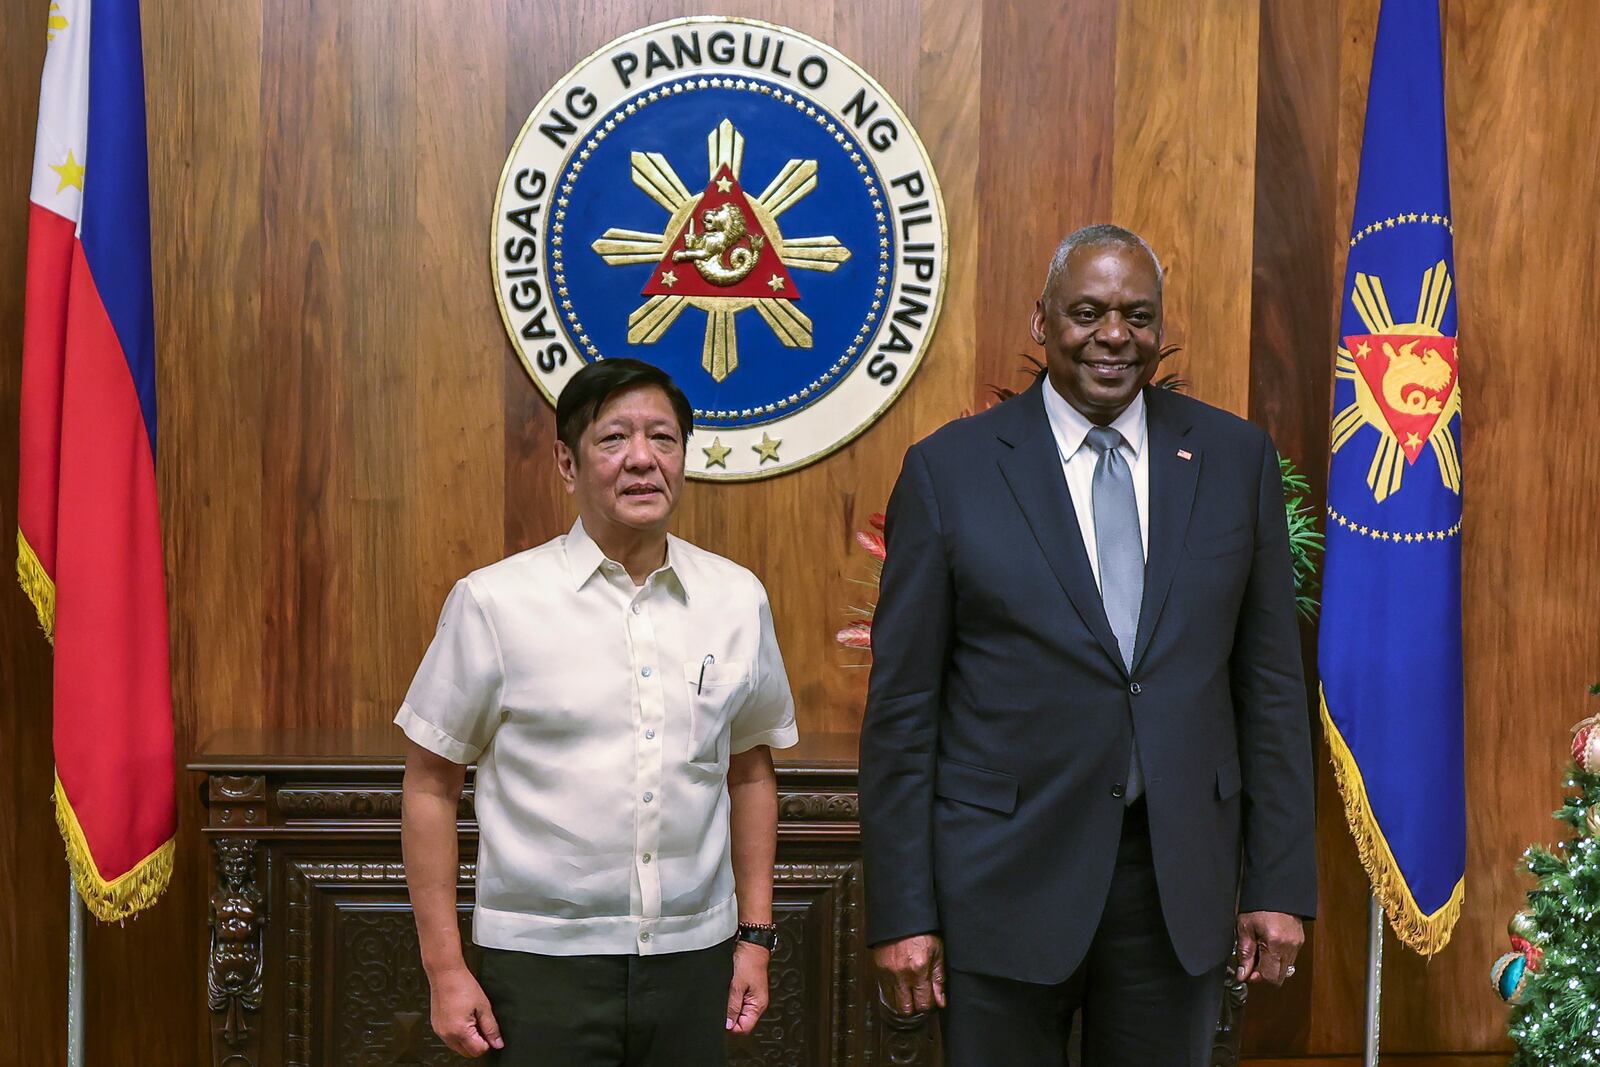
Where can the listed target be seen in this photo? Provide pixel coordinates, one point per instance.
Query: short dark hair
(588, 390)
(1098, 236)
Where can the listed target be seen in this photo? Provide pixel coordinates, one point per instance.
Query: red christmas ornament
(1586, 745)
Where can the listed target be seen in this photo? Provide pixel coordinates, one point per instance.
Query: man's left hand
(1268, 943)
(747, 996)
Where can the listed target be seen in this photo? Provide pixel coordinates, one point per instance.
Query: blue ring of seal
(584, 153)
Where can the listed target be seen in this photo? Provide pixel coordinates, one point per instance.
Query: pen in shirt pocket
(700, 686)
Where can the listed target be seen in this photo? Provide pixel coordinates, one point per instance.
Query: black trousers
(1140, 1007)
(609, 1011)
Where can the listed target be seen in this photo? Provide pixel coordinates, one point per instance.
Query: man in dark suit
(1086, 765)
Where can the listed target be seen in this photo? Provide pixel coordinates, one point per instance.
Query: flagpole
(75, 923)
(1374, 976)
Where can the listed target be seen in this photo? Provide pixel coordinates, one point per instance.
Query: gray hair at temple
(1097, 236)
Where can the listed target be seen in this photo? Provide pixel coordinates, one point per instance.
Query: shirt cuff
(783, 737)
(434, 739)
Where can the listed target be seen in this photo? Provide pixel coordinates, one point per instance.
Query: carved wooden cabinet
(314, 958)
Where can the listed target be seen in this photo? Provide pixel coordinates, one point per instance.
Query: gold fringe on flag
(37, 584)
(1425, 933)
(124, 896)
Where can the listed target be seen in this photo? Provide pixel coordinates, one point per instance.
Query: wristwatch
(763, 934)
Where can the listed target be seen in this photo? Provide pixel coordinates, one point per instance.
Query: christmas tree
(1552, 976)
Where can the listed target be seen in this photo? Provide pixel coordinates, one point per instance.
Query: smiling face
(1101, 329)
(627, 473)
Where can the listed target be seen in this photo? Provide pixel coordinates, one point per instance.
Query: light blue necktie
(1121, 554)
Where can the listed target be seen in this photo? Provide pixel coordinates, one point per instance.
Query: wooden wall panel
(1523, 95)
(1122, 113)
(345, 429)
(1184, 176)
(1045, 165)
(535, 507)
(454, 428)
(311, 286)
(1522, 173)
(206, 213)
(378, 352)
(1292, 302)
(204, 75)
(33, 919)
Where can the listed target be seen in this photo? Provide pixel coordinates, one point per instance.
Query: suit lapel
(1171, 499)
(1031, 466)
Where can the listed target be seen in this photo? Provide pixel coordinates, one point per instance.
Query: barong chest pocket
(715, 691)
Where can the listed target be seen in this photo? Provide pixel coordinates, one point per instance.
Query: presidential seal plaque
(740, 205)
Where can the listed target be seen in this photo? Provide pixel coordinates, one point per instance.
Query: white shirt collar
(584, 557)
(1071, 427)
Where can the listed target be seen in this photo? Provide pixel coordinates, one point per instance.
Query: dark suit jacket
(1000, 715)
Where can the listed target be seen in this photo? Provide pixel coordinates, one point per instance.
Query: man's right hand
(911, 973)
(461, 1014)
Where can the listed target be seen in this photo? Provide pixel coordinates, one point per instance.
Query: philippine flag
(89, 530)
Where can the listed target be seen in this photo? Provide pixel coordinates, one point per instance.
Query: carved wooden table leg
(1225, 1050)
(904, 1040)
(234, 966)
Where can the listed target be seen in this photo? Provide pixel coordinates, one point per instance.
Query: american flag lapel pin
(1184, 453)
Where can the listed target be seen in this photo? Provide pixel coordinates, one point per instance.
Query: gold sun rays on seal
(1389, 458)
(656, 179)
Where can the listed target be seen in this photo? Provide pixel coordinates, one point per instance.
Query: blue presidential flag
(1390, 648)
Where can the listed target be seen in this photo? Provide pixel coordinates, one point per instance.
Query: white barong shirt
(601, 715)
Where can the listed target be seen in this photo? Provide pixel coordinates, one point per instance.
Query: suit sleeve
(1269, 698)
(911, 631)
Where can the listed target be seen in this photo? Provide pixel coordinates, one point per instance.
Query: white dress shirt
(1078, 459)
(601, 715)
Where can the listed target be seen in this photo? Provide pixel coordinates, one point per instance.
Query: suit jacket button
(1135, 688)
(1117, 790)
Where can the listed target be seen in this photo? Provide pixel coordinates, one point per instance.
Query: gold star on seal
(669, 279)
(774, 283)
(71, 172)
(724, 185)
(716, 454)
(768, 449)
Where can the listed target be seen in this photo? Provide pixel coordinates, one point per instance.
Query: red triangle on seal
(721, 250)
(1411, 377)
